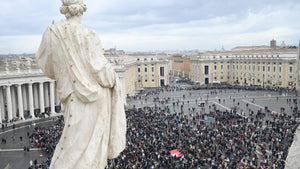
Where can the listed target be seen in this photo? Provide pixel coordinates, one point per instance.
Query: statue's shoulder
(89, 30)
(54, 27)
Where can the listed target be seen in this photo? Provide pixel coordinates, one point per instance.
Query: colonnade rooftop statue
(89, 89)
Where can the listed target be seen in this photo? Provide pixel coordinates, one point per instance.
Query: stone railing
(18, 73)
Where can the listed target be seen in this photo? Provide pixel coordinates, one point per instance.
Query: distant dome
(283, 45)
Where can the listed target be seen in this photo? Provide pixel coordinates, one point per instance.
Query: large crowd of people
(46, 139)
(218, 139)
(231, 141)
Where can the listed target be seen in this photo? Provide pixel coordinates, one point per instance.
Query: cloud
(19, 44)
(152, 25)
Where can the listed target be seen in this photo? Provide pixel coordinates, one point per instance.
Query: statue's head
(71, 8)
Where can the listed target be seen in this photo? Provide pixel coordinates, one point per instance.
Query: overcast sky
(150, 25)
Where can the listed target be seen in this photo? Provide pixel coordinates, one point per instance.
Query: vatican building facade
(265, 66)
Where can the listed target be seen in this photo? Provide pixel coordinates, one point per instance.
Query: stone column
(9, 104)
(1, 110)
(30, 93)
(41, 90)
(57, 101)
(2, 103)
(46, 94)
(20, 102)
(298, 70)
(35, 96)
(52, 105)
(24, 95)
(122, 82)
(1, 115)
(13, 101)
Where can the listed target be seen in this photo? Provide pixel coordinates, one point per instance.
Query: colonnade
(22, 101)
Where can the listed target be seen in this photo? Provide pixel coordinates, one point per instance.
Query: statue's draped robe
(89, 89)
(293, 158)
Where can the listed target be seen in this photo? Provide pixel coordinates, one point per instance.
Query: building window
(263, 68)
(206, 70)
(228, 67)
(152, 69)
(280, 69)
(139, 69)
(221, 67)
(268, 68)
(162, 71)
(291, 69)
(215, 67)
(274, 69)
(145, 69)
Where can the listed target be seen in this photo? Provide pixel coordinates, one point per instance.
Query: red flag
(175, 153)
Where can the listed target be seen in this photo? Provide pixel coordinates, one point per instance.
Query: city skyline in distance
(139, 25)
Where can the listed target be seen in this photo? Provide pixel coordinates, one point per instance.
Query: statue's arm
(102, 69)
(105, 74)
(45, 54)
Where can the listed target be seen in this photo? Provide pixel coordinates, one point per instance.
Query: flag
(175, 153)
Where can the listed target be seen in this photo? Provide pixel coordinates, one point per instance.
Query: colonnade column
(52, 106)
(9, 104)
(1, 115)
(46, 95)
(41, 91)
(25, 104)
(13, 101)
(1, 110)
(57, 99)
(30, 93)
(35, 96)
(2, 104)
(20, 102)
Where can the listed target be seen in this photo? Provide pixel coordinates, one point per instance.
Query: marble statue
(293, 158)
(89, 89)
